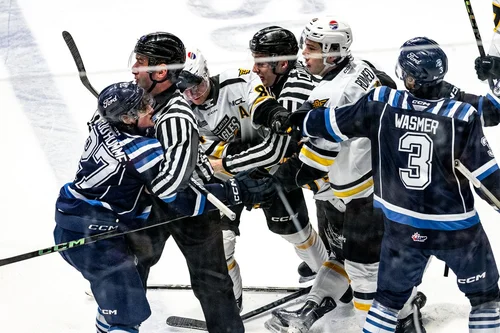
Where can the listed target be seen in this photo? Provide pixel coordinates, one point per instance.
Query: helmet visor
(194, 90)
(399, 71)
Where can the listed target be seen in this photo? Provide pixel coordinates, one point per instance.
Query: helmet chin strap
(155, 82)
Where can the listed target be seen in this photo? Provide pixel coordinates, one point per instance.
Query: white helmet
(328, 32)
(196, 63)
(193, 81)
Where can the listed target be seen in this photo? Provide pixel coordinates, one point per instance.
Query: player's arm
(178, 136)
(263, 155)
(478, 158)
(488, 107)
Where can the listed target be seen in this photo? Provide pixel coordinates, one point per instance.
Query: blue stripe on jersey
(493, 100)
(152, 155)
(329, 127)
(487, 172)
(169, 198)
(448, 108)
(465, 108)
(480, 105)
(426, 223)
(380, 94)
(203, 200)
(70, 194)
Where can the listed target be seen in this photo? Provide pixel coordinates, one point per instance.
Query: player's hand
(280, 123)
(251, 187)
(487, 67)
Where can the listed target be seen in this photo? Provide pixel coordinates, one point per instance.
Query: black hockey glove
(487, 67)
(283, 122)
(250, 187)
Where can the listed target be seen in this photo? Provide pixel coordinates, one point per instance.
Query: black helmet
(274, 40)
(118, 100)
(162, 47)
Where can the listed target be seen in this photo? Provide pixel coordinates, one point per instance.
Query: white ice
(45, 109)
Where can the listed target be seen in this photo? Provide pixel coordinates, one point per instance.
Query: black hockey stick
(263, 289)
(70, 42)
(196, 324)
(76, 243)
(477, 35)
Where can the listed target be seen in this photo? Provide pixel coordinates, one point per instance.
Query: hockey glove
(487, 67)
(283, 122)
(250, 187)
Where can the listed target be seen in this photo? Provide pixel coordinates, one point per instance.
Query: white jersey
(348, 163)
(225, 123)
(495, 43)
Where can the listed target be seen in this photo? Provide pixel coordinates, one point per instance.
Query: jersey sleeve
(342, 123)
(478, 158)
(178, 136)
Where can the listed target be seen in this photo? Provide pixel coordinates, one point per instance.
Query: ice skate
(305, 272)
(408, 325)
(299, 321)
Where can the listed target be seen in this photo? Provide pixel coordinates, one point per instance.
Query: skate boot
(239, 303)
(408, 325)
(299, 321)
(305, 272)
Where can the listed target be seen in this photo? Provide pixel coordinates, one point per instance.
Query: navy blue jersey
(114, 171)
(414, 145)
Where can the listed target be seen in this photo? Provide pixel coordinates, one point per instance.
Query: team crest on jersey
(243, 72)
(319, 103)
(226, 128)
(418, 237)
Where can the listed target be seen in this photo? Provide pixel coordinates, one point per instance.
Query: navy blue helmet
(119, 100)
(421, 61)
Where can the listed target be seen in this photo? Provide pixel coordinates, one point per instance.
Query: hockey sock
(380, 319)
(309, 247)
(101, 324)
(331, 281)
(233, 268)
(484, 318)
(364, 285)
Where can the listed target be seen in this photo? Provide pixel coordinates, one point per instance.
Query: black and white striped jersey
(177, 131)
(294, 89)
(226, 126)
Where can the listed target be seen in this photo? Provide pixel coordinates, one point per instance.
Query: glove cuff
(233, 192)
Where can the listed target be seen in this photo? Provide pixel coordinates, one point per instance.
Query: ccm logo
(102, 227)
(284, 218)
(234, 186)
(472, 279)
(109, 312)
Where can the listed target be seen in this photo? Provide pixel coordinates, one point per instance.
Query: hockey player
(156, 63)
(356, 238)
(427, 202)
(274, 50)
(108, 194)
(223, 105)
(488, 107)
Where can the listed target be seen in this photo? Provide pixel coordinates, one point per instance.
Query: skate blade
(274, 325)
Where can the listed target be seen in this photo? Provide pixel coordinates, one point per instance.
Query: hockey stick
(70, 42)
(264, 289)
(479, 41)
(477, 184)
(196, 324)
(77, 242)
